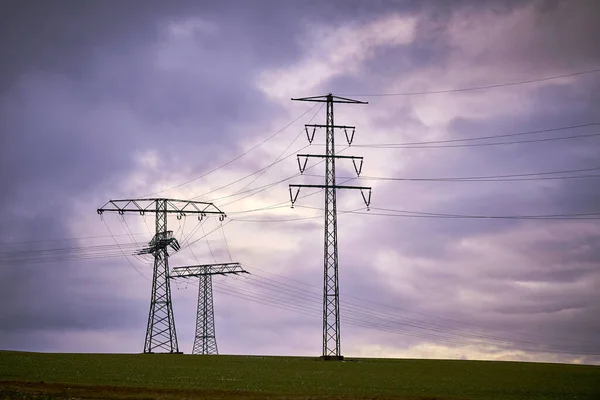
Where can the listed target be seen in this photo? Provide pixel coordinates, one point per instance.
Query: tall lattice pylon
(160, 331)
(331, 292)
(205, 341)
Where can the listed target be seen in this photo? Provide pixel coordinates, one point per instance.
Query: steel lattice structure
(331, 293)
(160, 331)
(205, 341)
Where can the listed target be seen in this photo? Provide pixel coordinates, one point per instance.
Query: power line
(125, 225)
(395, 307)
(208, 244)
(475, 178)
(400, 146)
(555, 129)
(261, 171)
(128, 260)
(68, 239)
(472, 88)
(263, 188)
(275, 220)
(282, 204)
(292, 219)
(467, 179)
(417, 214)
(225, 241)
(189, 244)
(491, 178)
(299, 294)
(256, 189)
(357, 309)
(283, 180)
(243, 178)
(305, 302)
(281, 154)
(233, 159)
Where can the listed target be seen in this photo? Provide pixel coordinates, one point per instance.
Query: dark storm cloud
(435, 288)
(81, 93)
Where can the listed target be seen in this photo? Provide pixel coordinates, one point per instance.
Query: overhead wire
(296, 300)
(280, 181)
(141, 258)
(487, 178)
(233, 159)
(279, 157)
(247, 176)
(473, 88)
(533, 132)
(31, 256)
(442, 146)
(260, 171)
(419, 214)
(186, 238)
(355, 309)
(225, 241)
(208, 244)
(282, 204)
(127, 258)
(189, 244)
(394, 307)
(66, 239)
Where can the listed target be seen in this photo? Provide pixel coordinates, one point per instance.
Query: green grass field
(165, 376)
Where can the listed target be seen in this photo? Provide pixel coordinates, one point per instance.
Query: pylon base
(332, 358)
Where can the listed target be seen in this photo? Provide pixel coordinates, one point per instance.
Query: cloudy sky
(104, 100)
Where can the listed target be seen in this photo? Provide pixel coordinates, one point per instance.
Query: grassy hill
(165, 376)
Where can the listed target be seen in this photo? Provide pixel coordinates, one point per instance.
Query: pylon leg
(205, 341)
(160, 332)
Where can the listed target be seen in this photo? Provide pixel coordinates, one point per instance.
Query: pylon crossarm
(330, 156)
(207, 269)
(331, 126)
(331, 99)
(302, 164)
(330, 186)
(173, 206)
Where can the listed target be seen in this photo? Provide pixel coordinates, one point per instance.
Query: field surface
(165, 376)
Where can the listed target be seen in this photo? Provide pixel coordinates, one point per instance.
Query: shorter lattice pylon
(205, 341)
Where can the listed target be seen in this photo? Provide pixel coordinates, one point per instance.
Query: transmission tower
(205, 341)
(331, 292)
(160, 332)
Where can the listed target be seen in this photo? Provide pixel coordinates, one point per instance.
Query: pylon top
(330, 97)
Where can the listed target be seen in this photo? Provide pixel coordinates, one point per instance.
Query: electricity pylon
(205, 341)
(160, 332)
(331, 293)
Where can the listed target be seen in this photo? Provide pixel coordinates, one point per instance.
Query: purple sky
(106, 99)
